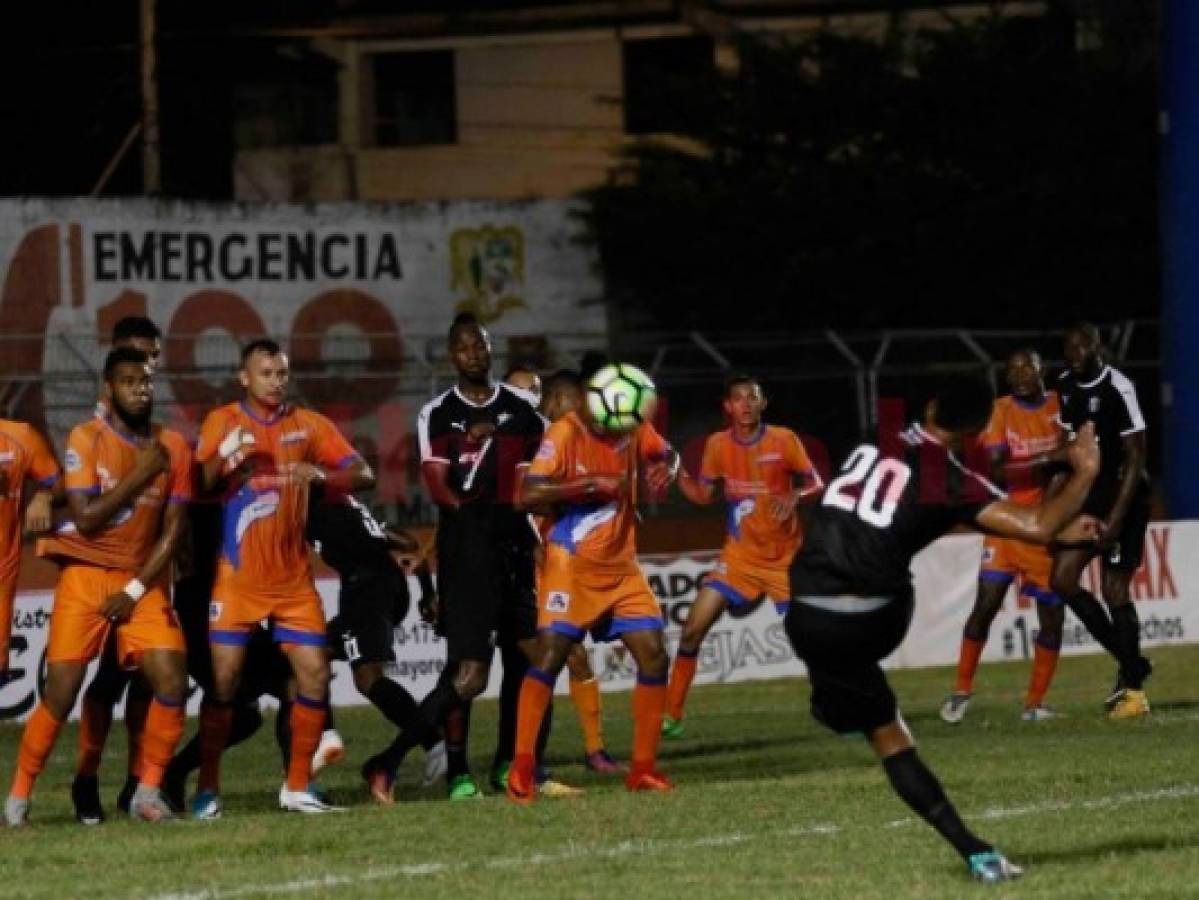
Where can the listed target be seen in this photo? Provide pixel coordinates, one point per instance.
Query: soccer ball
(620, 397)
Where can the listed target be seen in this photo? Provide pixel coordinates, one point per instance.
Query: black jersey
(347, 537)
(1110, 401)
(881, 509)
(483, 443)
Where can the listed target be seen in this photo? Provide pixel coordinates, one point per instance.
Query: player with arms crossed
(265, 454)
(758, 464)
(127, 483)
(852, 584)
(1022, 438)
(591, 575)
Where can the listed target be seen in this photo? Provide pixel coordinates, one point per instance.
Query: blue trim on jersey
(48, 481)
(301, 700)
(1043, 597)
(687, 654)
(230, 548)
(346, 461)
(734, 596)
(1031, 407)
(175, 498)
(303, 638)
(169, 703)
(731, 524)
(996, 577)
(640, 623)
(229, 638)
(757, 436)
(781, 606)
(650, 681)
(89, 492)
(541, 675)
(567, 630)
(274, 420)
(562, 533)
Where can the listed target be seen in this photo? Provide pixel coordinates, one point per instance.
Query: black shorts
(842, 649)
(370, 606)
(1129, 549)
(487, 591)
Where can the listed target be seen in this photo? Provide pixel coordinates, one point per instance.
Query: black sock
(918, 787)
(515, 666)
(1127, 627)
(394, 702)
(1091, 613)
(457, 739)
(426, 726)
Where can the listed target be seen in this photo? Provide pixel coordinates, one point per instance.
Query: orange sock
(968, 658)
(7, 600)
(159, 736)
(535, 693)
(649, 702)
(41, 731)
(94, 721)
(586, 695)
(137, 710)
(1044, 664)
(216, 721)
(681, 677)
(307, 723)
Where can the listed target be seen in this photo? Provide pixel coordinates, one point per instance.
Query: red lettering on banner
(1141, 587)
(397, 459)
(200, 311)
(32, 288)
(1160, 541)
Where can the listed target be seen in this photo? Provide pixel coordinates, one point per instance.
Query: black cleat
(126, 796)
(85, 794)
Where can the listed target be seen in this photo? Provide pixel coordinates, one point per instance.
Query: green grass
(768, 803)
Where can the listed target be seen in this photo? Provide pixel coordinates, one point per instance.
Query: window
(659, 76)
(413, 98)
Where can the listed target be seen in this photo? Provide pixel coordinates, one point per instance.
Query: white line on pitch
(653, 846)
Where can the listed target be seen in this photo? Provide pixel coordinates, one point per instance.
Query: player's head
(961, 407)
(525, 378)
(129, 384)
(744, 401)
(141, 334)
(1083, 349)
(470, 348)
(563, 394)
(1026, 374)
(264, 373)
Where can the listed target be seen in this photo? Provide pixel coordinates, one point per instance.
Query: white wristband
(135, 590)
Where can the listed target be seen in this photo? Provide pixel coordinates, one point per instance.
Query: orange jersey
(598, 535)
(100, 453)
(752, 471)
(1021, 431)
(23, 454)
(263, 523)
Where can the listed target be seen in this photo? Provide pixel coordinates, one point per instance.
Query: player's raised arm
(92, 508)
(1040, 524)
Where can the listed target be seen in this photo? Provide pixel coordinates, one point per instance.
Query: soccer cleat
(16, 812)
(85, 794)
(125, 797)
(672, 729)
(1132, 705)
(1038, 714)
(602, 762)
(499, 776)
(650, 780)
(522, 788)
(149, 805)
(380, 781)
(436, 764)
(953, 710)
(463, 787)
(307, 801)
(329, 752)
(558, 790)
(206, 806)
(992, 867)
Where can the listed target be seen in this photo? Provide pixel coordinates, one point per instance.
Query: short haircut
(738, 378)
(592, 362)
(964, 403)
(132, 327)
(521, 367)
(120, 356)
(259, 345)
(464, 320)
(1088, 329)
(563, 378)
(1031, 352)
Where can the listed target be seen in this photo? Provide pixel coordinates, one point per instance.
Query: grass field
(768, 804)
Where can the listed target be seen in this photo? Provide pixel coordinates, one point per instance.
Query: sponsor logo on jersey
(557, 602)
(294, 437)
(260, 508)
(214, 610)
(770, 457)
(74, 462)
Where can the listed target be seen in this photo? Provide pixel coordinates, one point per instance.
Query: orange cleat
(522, 785)
(649, 780)
(380, 783)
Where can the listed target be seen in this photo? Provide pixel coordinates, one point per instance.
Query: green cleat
(672, 729)
(992, 867)
(499, 777)
(463, 787)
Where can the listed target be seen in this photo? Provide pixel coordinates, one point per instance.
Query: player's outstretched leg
(63, 681)
(649, 704)
(548, 658)
(1051, 614)
(702, 616)
(992, 587)
(166, 673)
(246, 721)
(1134, 668)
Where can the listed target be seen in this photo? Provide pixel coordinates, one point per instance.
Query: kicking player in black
(1092, 390)
(852, 587)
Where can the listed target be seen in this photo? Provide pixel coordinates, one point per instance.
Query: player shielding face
(127, 482)
(852, 586)
(758, 465)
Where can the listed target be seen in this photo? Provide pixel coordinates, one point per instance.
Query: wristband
(135, 590)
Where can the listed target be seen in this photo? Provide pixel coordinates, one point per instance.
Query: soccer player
(1024, 432)
(127, 481)
(591, 575)
(758, 464)
(852, 597)
(110, 680)
(264, 454)
(1092, 390)
(24, 456)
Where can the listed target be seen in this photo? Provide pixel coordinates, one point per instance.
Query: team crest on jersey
(73, 461)
(214, 610)
(1093, 404)
(546, 450)
(502, 418)
(557, 602)
(988, 554)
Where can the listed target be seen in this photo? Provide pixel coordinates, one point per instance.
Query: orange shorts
(741, 581)
(8, 596)
(295, 610)
(1005, 558)
(78, 629)
(608, 604)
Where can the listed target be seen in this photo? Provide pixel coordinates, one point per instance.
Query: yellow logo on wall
(489, 265)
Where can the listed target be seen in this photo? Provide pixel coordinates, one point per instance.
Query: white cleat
(148, 805)
(206, 807)
(305, 801)
(329, 752)
(436, 765)
(953, 710)
(1039, 714)
(16, 812)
